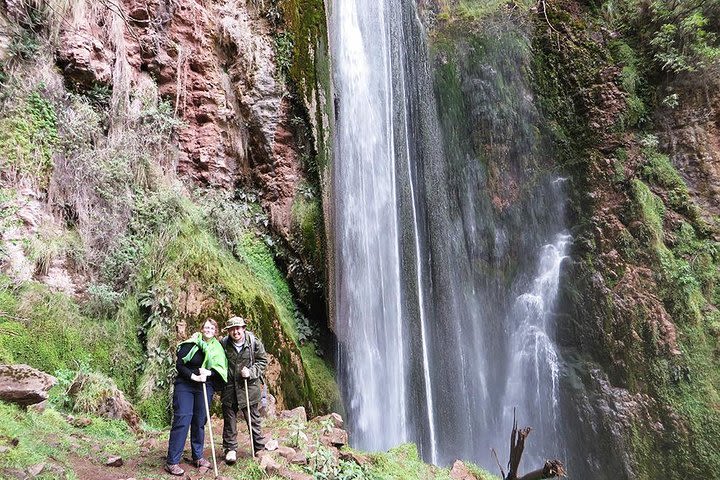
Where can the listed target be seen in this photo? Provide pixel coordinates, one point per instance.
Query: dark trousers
(230, 426)
(188, 413)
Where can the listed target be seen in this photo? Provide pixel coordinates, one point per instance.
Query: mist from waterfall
(449, 239)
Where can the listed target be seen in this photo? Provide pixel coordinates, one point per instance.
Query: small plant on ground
(327, 425)
(296, 435)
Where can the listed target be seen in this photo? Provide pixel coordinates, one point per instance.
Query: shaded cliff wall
(637, 135)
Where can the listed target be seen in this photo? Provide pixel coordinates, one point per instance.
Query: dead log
(551, 469)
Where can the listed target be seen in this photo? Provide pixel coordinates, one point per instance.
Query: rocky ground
(105, 457)
(42, 437)
(300, 450)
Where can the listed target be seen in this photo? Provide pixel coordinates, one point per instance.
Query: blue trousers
(188, 413)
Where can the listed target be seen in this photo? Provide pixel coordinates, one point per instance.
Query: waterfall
(368, 286)
(445, 277)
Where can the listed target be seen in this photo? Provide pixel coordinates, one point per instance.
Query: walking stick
(247, 402)
(212, 443)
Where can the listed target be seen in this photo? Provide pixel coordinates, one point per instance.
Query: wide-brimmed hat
(234, 322)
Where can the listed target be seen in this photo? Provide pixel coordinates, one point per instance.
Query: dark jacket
(184, 370)
(235, 388)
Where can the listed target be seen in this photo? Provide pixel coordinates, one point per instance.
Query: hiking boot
(231, 456)
(201, 462)
(174, 470)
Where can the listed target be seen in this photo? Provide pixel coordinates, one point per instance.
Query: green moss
(686, 385)
(47, 331)
(248, 284)
(308, 226)
(472, 11)
(34, 430)
(258, 257)
(403, 463)
(651, 210)
(27, 138)
(323, 389)
(305, 20)
(659, 171)
(480, 473)
(155, 410)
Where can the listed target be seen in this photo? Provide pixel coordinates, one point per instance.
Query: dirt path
(151, 460)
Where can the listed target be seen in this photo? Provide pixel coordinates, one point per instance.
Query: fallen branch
(551, 469)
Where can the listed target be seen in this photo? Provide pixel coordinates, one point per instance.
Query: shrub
(102, 301)
(681, 35)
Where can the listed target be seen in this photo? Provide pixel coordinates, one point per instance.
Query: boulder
(38, 407)
(111, 403)
(271, 445)
(460, 471)
(295, 413)
(24, 385)
(350, 456)
(269, 465)
(337, 437)
(35, 470)
(336, 419)
(114, 461)
(292, 475)
(286, 452)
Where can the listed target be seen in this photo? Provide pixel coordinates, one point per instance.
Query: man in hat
(246, 362)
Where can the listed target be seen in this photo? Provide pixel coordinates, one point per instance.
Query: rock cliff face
(191, 102)
(242, 125)
(248, 90)
(639, 310)
(690, 134)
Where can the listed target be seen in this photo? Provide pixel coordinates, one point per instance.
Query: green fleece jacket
(215, 358)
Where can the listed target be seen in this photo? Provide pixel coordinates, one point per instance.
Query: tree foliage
(676, 35)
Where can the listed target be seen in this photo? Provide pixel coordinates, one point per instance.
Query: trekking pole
(247, 402)
(212, 443)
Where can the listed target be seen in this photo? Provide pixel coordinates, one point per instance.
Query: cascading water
(368, 286)
(445, 278)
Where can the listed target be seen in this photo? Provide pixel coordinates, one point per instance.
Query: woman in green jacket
(200, 360)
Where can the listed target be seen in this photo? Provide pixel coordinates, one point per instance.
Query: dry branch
(551, 469)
